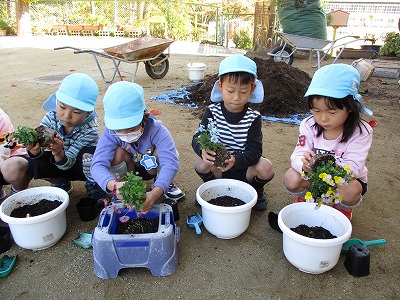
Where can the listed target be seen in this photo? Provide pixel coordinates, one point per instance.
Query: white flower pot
(311, 255)
(38, 232)
(226, 222)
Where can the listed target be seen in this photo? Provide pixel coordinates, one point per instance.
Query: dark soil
(315, 232)
(284, 88)
(221, 154)
(37, 209)
(138, 225)
(226, 201)
(46, 135)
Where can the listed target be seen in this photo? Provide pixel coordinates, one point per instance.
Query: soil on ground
(315, 232)
(36, 209)
(284, 87)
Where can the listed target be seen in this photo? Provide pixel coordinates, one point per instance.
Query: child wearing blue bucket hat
(71, 114)
(334, 128)
(134, 141)
(239, 128)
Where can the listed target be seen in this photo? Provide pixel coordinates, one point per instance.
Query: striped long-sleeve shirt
(85, 134)
(239, 132)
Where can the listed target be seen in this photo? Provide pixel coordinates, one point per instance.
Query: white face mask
(131, 137)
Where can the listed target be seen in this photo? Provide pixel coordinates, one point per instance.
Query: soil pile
(284, 89)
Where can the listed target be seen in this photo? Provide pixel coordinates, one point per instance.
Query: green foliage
(243, 40)
(133, 191)
(391, 47)
(4, 24)
(325, 180)
(26, 135)
(208, 138)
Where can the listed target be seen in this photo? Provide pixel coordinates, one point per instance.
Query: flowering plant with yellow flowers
(324, 178)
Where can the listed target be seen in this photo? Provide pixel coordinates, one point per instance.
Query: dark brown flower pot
(87, 209)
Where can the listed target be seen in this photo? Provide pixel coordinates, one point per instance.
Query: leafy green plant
(391, 46)
(133, 193)
(208, 139)
(243, 40)
(324, 179)
(26, 135)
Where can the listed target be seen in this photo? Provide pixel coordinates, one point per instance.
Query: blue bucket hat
(77, 90)
(123, 105)
(337, 81)
(238, 63)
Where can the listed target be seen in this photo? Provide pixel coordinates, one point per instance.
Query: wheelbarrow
(148, 50)
(290, 43)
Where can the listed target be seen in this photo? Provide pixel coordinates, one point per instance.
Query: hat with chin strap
(337, 81)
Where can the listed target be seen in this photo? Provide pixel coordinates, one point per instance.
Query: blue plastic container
(155, 251)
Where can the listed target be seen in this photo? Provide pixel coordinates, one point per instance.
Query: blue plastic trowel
(195, 221)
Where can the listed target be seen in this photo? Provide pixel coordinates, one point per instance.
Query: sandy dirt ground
(251, 266)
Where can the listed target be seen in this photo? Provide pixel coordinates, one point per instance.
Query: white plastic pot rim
(39, 192)
(311, 241)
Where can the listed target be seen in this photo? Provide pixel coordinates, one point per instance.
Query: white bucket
(196, 71)
(364, 67)
(311, 255)
(221, 221)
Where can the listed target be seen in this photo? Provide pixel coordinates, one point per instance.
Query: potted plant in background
(391, 46)
(4, 27)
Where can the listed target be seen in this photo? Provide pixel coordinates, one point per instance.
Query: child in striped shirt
(239, 128)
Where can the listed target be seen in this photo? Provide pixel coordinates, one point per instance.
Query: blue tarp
(180, 96)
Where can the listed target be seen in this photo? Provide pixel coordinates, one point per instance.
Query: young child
(71, 114)
(335, 128)
(134, 141)
(13, 161)
(239, 128)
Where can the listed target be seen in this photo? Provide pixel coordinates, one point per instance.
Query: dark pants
(42, 167)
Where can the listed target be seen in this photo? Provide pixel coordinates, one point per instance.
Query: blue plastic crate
(155, 251)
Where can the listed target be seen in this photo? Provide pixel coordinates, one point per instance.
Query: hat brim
(125, 123)
(51, 105)
(73, 102)
(256, 97)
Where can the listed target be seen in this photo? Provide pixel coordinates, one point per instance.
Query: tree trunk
(23, 18)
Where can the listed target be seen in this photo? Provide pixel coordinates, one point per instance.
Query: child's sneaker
(273, 220)
(347, 213)
(174, 192)
(64, 184)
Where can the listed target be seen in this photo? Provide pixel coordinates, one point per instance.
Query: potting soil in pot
(226, 201)
(138, 225)
(36, 209)
(315, 232)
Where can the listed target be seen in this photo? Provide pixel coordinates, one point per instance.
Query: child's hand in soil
(208, 156)
(306, 161)
(229, 163)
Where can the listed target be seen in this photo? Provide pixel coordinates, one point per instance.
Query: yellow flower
(330, 191)
(308, 196)
(323, 176)
(338, 179)
(347, 168)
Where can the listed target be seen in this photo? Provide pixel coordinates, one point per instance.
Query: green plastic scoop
(355, 241)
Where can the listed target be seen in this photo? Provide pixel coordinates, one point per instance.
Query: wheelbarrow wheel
(157, 71)
(280, 51)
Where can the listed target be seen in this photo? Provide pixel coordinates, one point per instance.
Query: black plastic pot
(5, 239)
(87, 209)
